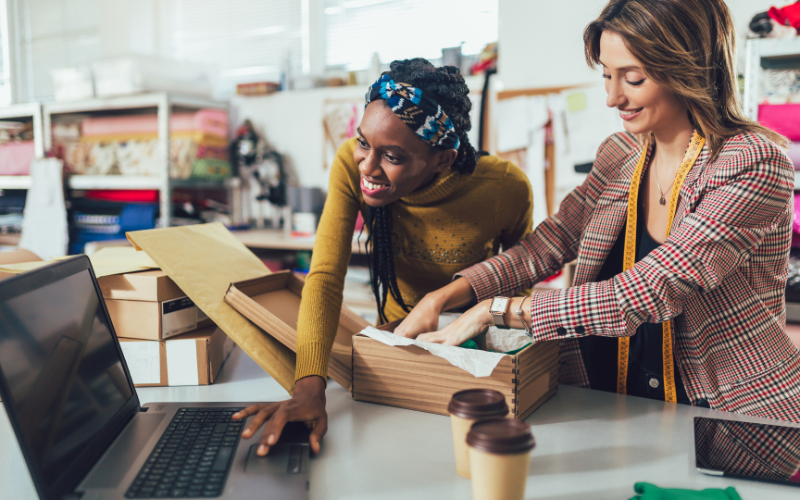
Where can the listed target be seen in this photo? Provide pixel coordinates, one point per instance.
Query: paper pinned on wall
(478, 363)
(589, 122)
(538, 113)
(44, 223)
(513, 124)
(536, 165)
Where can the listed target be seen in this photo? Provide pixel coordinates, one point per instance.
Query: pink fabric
(210, 121)
(16, 158)
(782, 118)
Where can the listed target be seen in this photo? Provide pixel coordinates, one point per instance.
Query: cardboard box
(273, 303)
(407, 377)
(150, 286)
(411, 377)
(144, 320)
(191, 359)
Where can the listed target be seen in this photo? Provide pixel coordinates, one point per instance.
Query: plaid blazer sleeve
(744, 199)
(550, 246)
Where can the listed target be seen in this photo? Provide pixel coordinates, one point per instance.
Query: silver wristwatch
(498, 309)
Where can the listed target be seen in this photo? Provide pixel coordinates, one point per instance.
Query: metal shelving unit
(162, 103)
(29, 111)
(767, 53)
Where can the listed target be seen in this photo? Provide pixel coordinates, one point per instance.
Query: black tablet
(747, 450)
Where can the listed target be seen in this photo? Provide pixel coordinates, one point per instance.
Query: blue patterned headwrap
(421, 113)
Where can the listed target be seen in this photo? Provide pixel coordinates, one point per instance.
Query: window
(49, 34)
(400, 29)
(245, 40)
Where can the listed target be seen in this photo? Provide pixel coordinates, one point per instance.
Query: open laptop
(70, 399)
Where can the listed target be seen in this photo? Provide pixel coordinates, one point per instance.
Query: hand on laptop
(307, 405)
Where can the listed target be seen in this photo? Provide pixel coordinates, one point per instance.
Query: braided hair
(447, 87)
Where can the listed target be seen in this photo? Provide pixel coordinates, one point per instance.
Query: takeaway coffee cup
(499, 455)
(466, 408)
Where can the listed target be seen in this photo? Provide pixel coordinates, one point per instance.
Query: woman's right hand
(422, 319)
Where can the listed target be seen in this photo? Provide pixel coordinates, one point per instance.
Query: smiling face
(643, 105)
(392, 159)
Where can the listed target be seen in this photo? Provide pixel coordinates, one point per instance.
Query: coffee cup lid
(503, 436)
(478, 403)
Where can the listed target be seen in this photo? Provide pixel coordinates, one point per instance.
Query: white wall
(292, 123)
(541, 41)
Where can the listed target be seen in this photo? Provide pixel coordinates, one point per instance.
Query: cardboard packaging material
(190, 359)
(145, 320)
(151, 286)
(17, 257)
(273, 302)
(411, 377)
(203, 260)
(406, 377)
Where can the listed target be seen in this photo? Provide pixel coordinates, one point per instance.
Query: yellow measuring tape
(629, 259)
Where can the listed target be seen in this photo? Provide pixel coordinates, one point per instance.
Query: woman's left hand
(470, 324)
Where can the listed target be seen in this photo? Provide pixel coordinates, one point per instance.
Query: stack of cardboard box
(165, 338)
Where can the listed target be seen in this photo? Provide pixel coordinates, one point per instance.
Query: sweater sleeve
(321, 302)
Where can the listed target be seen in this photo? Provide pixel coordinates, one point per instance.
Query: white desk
(591, 445)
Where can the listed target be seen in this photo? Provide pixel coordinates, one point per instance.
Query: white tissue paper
(478, 363)
(506, 340)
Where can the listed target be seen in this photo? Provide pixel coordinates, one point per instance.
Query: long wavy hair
(689, 48)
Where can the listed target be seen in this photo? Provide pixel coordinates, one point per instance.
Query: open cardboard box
(407, 376)
(272, 302)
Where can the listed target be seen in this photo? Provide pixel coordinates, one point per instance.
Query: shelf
(149, 100)
(778, 47)
(114, 182)
(136, 182)
(15, 181)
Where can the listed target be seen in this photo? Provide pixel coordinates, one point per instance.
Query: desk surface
(590, 445)
(276, 239)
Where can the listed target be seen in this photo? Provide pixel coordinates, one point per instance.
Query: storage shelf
(162, 104)
(136, 182)
(150, 100)
(778, 47)
(15, 181)
(757, 50)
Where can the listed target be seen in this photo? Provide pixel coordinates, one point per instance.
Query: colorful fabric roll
(421, 113)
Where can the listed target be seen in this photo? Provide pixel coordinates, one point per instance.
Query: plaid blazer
(720, 276)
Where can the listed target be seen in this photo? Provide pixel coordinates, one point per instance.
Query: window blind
(51, 34)
(401, 29)
(245, 40)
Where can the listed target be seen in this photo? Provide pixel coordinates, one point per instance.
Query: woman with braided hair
(432, 204)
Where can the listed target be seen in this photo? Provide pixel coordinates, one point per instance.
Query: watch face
(499, 305)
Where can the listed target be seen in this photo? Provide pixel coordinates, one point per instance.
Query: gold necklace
(661, 201)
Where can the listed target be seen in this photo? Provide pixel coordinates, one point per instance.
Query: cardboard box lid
(273, 303)
(16, 257)
(150, 286)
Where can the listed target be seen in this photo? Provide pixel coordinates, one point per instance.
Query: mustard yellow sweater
(446, 226)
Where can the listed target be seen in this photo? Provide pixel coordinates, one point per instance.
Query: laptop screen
(64, 377)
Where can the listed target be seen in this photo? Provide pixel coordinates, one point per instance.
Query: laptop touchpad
(282, 459)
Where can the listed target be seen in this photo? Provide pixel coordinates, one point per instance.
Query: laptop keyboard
(192, 458)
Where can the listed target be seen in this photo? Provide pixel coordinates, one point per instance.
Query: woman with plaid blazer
(718, 277)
